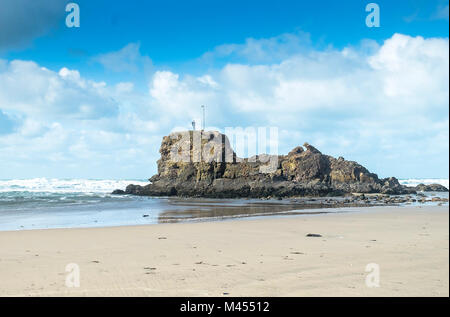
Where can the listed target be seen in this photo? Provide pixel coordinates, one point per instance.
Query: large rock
(203, 164)
(431, 188)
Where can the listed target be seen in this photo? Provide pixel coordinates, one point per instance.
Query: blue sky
(95, 101)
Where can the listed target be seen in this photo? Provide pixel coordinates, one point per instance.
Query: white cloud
(6, 123)
(67, 123)
(261, 50)
(412, 71)
(388, 98)
(181, 98)
(127, 59)
(28, 89)
(383, 105)
(441, 12)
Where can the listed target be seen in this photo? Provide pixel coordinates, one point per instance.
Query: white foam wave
(54, 185)
(426, 181)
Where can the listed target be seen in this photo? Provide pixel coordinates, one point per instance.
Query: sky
(94, 101)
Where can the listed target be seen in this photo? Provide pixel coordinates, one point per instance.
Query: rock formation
(202, 164)
(431, 188)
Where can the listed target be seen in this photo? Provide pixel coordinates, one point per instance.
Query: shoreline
(310, 212)
(109, 211)
(256, 257)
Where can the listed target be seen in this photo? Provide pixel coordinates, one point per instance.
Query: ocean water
(43, 203)
(426, 181)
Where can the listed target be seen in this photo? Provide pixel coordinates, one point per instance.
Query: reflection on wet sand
(207, 209)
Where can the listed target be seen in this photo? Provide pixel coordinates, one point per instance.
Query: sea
(47, 203)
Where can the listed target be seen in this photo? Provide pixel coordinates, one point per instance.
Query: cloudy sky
(94, 101)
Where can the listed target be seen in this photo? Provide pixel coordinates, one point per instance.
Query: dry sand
(262, 257)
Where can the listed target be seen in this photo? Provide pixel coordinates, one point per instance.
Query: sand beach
(270, 256)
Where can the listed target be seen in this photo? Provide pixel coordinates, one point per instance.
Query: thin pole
(203, 123)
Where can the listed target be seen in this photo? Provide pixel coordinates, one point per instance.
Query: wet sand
(269, 256)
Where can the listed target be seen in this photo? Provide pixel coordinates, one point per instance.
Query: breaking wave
(427, 181)
(53, 185)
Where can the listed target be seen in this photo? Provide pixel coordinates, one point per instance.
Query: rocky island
(203, 164)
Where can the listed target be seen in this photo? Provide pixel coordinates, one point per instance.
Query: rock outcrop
(431, 188)
(202, 164)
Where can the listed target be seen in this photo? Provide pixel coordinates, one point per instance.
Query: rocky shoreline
(203, 164)
(200, 208)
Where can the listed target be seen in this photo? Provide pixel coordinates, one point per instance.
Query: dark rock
(212, 169)
(431, 188)
(118, 192)
(311, 148)
(296, 150)
(314, 235)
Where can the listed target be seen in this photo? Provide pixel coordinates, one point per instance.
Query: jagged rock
(296, 150)
(431, 188)
(311, 148)
(203, 164)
